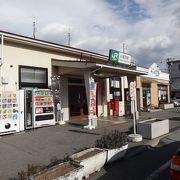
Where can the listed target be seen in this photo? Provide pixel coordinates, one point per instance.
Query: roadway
(151, 164)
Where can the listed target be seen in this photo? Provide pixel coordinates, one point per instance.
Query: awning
(67, 67)
(154, 80)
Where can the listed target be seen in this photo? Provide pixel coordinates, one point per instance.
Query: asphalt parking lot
(39, 146)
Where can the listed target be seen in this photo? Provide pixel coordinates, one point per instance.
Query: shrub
(112, 140)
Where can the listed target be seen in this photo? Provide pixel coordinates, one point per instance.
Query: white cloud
(159, 42)
(149, 29)
(60, 33)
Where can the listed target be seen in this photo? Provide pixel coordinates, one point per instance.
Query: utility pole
(69, 38)
(123, 48)
(34, 28)
(169, 62)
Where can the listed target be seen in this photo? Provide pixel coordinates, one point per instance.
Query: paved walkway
(39, 146)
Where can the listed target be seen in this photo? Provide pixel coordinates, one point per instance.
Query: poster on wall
(92, 104)
(8, 105)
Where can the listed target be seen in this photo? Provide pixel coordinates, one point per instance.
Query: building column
(154, 95)
(168, 93)
(87, 83)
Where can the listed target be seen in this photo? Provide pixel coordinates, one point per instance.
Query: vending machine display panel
(43, 107)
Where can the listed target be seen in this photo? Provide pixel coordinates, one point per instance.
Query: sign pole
(134, 116)
(134, 137)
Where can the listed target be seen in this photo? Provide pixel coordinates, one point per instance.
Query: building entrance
(77, 102)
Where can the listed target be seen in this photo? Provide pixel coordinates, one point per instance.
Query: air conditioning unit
(4, 80)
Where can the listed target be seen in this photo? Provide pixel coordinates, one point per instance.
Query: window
(33, 77)
(115, 88)
(162, 94)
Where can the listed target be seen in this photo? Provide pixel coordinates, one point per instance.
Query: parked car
(175, 166)
(176, 101)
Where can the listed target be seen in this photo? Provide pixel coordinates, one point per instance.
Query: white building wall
(15, 55)
(154, 72)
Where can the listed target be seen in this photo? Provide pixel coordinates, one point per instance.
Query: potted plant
(58, 169)
(115, 143)
(92, 159)
(63, 171)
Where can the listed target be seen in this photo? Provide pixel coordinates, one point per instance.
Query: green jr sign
(113, 55)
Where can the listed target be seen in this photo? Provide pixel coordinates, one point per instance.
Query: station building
(31, 63)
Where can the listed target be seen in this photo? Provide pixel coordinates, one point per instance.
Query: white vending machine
(11, 112)
(43, 108)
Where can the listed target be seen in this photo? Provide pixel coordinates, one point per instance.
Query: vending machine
(39, 108)
(11, 112)
(43, 108)
(28, 115)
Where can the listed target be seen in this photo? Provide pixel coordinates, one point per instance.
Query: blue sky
(129, 10)
(148, 28)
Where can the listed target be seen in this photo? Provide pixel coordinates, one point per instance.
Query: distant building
(174, 72)
(153, 87)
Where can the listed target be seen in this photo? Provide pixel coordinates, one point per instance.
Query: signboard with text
(92, 105)
(116, 56)
(132, 89)
(113, 55)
